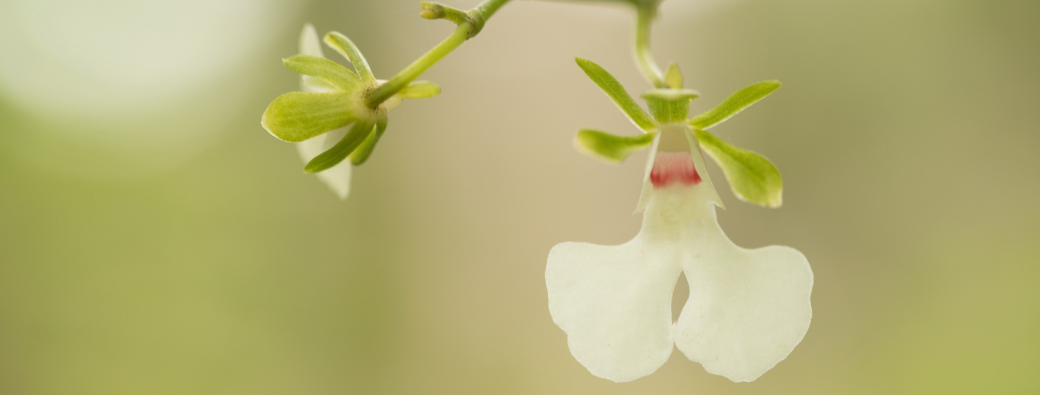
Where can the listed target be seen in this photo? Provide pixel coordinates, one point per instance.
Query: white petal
(333, 137)
(614, 303)
(338, 177)
(747, 309)
(310, 44)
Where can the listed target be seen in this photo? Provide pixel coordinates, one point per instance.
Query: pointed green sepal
(609, 147)
(751, 176)
(299, 116)
(673, 77)
(361, 154)
(420, 90)
(617, 93)
(326, 70)
(734, 104)
(345, 47)
(357, 135)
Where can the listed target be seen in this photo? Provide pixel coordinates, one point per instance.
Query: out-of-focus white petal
(333, 137)
(614, 303)
(310, 44)
(338, 177)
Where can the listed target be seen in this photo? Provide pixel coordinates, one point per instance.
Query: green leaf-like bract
(610, 147)
(617, 93)
(299, 116)
(734, 104)
(361, 154)
(342, 149)
(345, 47)
(326, 70)
(751, 176)
(420, 90)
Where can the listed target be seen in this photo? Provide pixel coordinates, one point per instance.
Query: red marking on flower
(671, 167)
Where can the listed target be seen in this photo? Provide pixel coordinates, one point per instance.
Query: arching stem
(469, 25)
(644, 56)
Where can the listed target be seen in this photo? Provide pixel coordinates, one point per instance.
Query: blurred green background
(154, 239)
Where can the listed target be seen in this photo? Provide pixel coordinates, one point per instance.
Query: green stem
(489, 7)
(419, 66)
(466, 30)
(644, 57)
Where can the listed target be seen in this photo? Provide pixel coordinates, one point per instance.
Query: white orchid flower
(329, 120)
(747, 309)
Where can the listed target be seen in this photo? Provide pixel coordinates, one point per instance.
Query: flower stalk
(469, 25)
(645, 13)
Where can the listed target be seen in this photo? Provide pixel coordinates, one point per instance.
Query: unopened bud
(431, 10)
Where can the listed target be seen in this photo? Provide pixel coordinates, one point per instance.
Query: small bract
(747, 309)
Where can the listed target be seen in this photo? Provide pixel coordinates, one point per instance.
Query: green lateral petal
(299, 116)
(609, 147)
(342, 149)
(617, 93)
(325, 69)
(751, 176)
(674, 77)
(345, 47)
(420, 90)
(361, 154)
(734, 104)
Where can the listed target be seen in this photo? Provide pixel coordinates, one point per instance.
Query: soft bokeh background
(154, 239)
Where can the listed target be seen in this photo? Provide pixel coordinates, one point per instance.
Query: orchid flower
(329, 119)
(747, 309)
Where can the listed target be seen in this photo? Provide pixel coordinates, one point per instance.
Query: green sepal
(617, 93)
(736, 103)
(751, 176)
(361, 154)
(673, 77)
(609, 147)
(318, 67)
(357, 134)
(299, 116)
(420, 90)
(345, 47)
